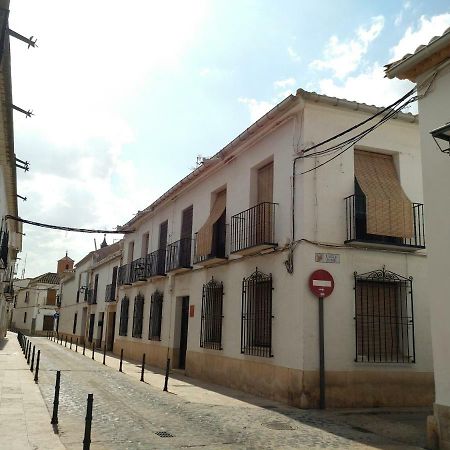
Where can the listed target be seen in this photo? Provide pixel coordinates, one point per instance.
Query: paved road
(129, 413)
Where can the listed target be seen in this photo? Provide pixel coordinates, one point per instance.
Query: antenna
(95, 244)
(24, 266)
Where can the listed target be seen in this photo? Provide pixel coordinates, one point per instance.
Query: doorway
(91, 327)
(111, 329)
(183, 332)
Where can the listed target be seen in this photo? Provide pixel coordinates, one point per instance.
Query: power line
(58, 227)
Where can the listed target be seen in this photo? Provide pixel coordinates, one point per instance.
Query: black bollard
(166, 379)
(54, 420)
(29, 354)
(32, 361)
(26, 349)
(36, 373)
(65, 344)
(70, 343)
(84, 346)
(93, 349)
(76, 346)
(104, 354)
(121, 359)
(143, 367)
(87, 428)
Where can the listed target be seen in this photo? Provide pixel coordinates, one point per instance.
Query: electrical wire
(59, 227)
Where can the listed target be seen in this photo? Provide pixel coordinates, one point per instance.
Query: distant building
(88, 297)
(35, 304)
(64, 264)
(10, 230)
(429, 68)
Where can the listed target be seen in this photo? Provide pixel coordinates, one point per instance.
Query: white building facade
(86, 295)
(215, 272)
(429, 67)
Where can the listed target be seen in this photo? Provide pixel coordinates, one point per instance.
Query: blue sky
(125, 99)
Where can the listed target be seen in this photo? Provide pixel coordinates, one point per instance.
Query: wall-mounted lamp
(442, 134)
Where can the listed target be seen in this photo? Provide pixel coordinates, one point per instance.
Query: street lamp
(443, 134)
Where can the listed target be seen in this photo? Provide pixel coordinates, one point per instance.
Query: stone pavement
(129, 414)
(24, 418)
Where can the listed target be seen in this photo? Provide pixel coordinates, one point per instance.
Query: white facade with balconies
(215, 273)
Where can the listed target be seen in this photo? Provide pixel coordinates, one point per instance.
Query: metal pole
(70, 343)
(321, 356)
(87, 428)
(36, 373)
(29, 354)
(76, 346)
(93, 349)
(104, 354)
(65, 344)
(84, 346)
(143, 367)
(32, 360)
(54, 420)
(121, 359)
(166, 379)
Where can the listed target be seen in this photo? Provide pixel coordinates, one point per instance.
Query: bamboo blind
(388, 210)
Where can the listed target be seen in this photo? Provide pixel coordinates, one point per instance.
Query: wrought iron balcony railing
(356, 222)
(110, 293)
(89, 297)
(156, 263)
(253, 230)
(218, 251)
(124, 275)
(178, 256)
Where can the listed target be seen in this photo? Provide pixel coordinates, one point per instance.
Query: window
(27, 296)
(138, 314)
(384, 322)
(144, 245)
(130, 251)
(24, 317)
(256, 320)
(211, 326)
(51, 297)
(154, 327)
(123, 325)
(74, 329)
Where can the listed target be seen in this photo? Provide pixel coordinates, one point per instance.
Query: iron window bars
(123, 324)
(154, 325)
(253, 227)
(212, 315)
(138, 316)
(384, 318)
(256, 319)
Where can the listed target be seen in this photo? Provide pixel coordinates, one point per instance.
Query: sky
(126, 95)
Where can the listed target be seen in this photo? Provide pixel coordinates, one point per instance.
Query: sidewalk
(24, 418)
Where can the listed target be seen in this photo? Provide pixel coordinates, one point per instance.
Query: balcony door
(186, 237)
(262, 230)
(162, 244)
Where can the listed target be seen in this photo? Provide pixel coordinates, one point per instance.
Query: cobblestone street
(129, 413)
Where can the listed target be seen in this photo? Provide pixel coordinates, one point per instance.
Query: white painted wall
(434, 112)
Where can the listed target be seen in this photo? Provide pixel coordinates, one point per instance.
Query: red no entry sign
(321, 283)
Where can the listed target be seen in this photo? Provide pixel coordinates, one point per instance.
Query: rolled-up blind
(205, 234)
(388, 209)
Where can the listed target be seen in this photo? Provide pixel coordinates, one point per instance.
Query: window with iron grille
(256, 320)
(154, 326)
(211, 325)
(123, 325)
(138, 316)
(384, 318)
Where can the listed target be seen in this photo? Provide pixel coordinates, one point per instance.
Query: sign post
(321, 284)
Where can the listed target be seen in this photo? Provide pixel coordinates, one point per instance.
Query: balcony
(156, 263)
(139, 270)
(8, 291)
(218, 253)
(89, 297)
(253, 230)
(110, 293)
(356, 221)
(178, 256)
(124, 275)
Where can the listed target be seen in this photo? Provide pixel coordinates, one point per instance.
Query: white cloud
(342, 58)
(295, 57)
(285, 83)
(369, 87)
(257, 108)
(420, 35)
(82, 82)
